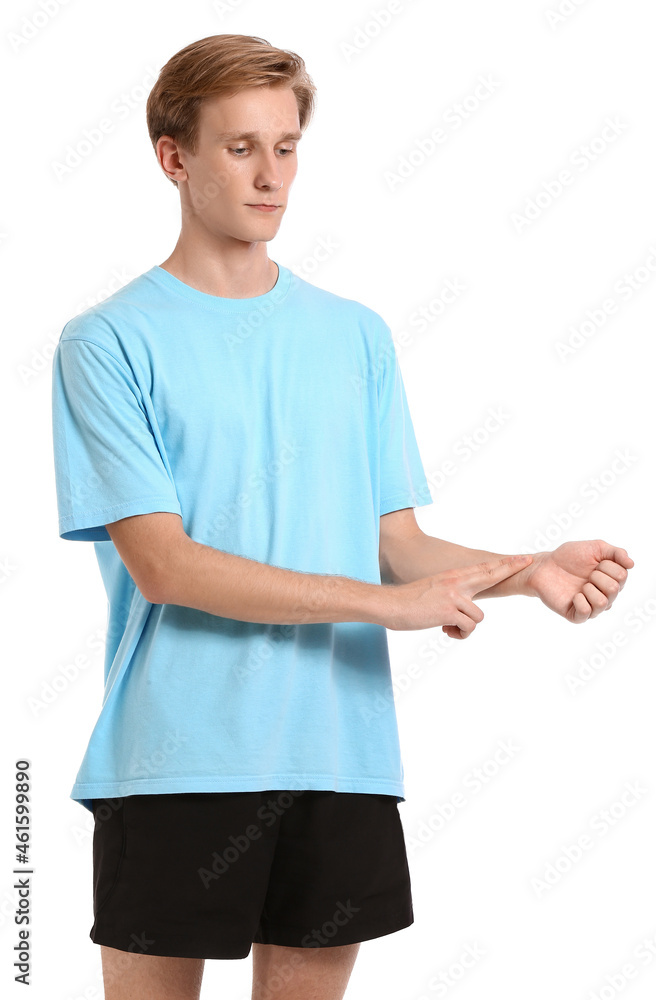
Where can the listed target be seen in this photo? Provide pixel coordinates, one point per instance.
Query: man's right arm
(169, 567)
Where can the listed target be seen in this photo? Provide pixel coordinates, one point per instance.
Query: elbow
(162, 580)
(153, 591)
(157, 583)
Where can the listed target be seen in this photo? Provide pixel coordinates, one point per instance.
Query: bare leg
(132, 975)
(281, 973)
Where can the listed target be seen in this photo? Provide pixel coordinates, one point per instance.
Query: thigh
(340, 872)
(180, 875)
(128, 974)
(299, 973)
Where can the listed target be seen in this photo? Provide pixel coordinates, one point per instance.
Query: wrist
(347, 599)
(522, 581)
(378, 603)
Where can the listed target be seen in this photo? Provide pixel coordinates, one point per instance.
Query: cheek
(292, 170)
(220, 178)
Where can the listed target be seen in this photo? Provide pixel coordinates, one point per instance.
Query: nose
(269, 173)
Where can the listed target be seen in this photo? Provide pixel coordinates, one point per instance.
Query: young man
(237, 444)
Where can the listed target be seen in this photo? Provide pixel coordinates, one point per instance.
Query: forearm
(424, 555)
(232, 586)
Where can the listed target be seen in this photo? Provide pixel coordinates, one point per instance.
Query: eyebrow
(252, 136)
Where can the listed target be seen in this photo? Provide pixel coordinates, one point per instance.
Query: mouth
(264, 204)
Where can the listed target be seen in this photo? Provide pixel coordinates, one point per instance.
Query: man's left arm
(578, 580)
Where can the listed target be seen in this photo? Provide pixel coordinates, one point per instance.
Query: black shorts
(205, 874)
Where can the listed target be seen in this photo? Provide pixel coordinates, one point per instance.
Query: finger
(580, 610)
(493, 570)
(595, 598)
(463, 622)
(456, 633)
(606, 583)
(470, 610)
(613, 570)
(620, 556)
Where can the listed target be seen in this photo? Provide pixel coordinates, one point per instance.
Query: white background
(67, 241)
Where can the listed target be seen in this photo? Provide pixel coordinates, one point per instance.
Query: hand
(578, 580)
(446, 598)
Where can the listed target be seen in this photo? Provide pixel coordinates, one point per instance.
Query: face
(246, 156)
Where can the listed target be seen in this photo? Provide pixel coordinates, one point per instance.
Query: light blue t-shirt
(277, 426)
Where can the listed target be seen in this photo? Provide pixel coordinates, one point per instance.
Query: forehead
(266, 109)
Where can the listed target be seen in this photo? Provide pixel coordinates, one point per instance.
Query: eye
(244, 149)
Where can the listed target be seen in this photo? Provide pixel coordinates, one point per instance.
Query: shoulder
(339, 306)
(103, 324)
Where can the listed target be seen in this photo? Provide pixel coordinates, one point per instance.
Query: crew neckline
(220, 303)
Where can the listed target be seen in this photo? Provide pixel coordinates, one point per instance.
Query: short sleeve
(403, 481)
(107, 461)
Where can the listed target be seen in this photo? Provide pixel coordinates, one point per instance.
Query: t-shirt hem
(398, 501)
(84, 792)
(95, 520)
